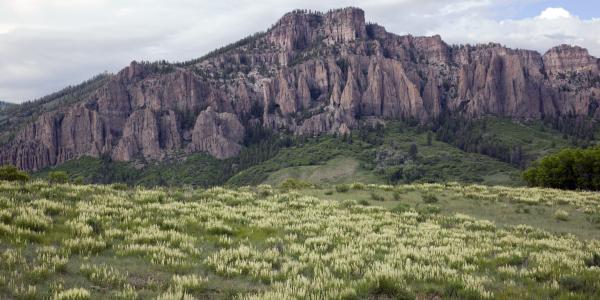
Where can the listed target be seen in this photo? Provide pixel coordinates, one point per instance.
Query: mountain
(310, 73)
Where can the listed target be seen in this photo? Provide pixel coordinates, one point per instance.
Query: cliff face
(311, 73)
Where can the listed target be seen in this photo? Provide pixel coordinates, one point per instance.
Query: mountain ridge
(309, 74)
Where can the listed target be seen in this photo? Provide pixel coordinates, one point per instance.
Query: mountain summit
(311, 73)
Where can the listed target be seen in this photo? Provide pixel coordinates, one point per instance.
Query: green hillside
(396, 153)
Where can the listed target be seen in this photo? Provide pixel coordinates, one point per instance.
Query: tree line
(571, 169)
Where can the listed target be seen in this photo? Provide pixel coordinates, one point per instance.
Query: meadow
(296, 241)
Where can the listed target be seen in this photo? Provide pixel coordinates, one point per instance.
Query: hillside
(445, 241)
(366, 155)
(309, 74)
(14, 118)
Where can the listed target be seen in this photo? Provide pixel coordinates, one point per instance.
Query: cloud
(48, 44)
(552, 13)
(553, 26)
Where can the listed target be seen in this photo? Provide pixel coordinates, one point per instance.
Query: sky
(46, 45)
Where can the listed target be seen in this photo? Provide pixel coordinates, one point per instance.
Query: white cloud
(552, 13)
(48, 44)
(554, 26)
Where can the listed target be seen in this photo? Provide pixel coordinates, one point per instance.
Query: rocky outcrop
(299, 30)
(311, 73)
(218, 134)
(566, 58)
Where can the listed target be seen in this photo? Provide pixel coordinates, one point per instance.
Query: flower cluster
(291, 245)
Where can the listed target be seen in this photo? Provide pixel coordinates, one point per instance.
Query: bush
(58, 177)
(585, 281)
(594, 261)
(594, 219)
(293, 183)
(429, 210)
(342, 188)
(11, 173)
(377, 197)
(357, 186)
(79, 180)
(363, 202)
(561, 215)
(73, 294)
(396, 195)
(387, 288)
(430, 198)
(400, 208)
(120, 186)
(568, 169)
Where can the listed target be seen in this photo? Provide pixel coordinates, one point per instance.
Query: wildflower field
(352, 242)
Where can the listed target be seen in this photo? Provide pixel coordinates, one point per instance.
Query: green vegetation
(337, 170)
(398, 161)
(58, 177)
(195, 170)
(65, 241)
(395, 153)
(503, 139)
(292, 183)
(11, 173)
(567, 169)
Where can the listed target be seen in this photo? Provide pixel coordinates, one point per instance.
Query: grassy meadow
(297, 241)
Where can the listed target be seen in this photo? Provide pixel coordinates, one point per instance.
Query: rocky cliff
(310, 73)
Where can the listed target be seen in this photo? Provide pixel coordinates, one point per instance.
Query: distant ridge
(311, 73)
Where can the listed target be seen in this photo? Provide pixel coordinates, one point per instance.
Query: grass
(579, 222)
(365, 241)
(316, 152)
(337, 170)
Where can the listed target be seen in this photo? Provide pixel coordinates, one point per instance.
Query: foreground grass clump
(97, 242)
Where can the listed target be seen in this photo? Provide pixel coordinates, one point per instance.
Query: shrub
(264, 190)
(11, 173)
(120, 186)
(330, 192)
(58, 177)
(377, 197)
(357, 186)
(429, 210)
(594, 219)
(572, 283)
(342, 188)
(400, 208)
(561, 215)
(72, 294)
(293, 183)
(396, 195)
(174, 295)
(593, 261)
(388, 288)
(103, 275)
(189, 282)
(430, 198)
(79, 180)
(363, 202)
(127, 293)
(568, 169)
